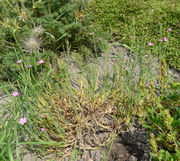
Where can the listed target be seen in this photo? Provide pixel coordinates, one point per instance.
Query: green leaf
(10, 152)
(175, 84)
(176, 123)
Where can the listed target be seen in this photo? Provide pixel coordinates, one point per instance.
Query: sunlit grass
(52, 109)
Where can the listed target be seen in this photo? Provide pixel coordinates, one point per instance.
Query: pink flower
(164, 39)
(133, 16)
(132, 60)
(28, 66)
(15, 93)
(22, 120)
(160, 40)
(138, 46)
(42, 129)
(150, 44)
(40, 61)
(19, 61)
(92, 33)
(42, 116)
(147, 55)
(143, 28)
(169, 29)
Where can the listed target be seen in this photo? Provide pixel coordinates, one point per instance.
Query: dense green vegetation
(152, 17)
(53, 25)
(47, 114)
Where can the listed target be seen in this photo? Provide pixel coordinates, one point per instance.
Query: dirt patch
(119, 57)
(130, 145)
(136, 145)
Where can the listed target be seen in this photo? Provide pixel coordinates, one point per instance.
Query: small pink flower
(133, 16)
(147, 55)
(15, 93)
(165, 39)
(42, 129)
(22, 120)
(40, 61)
(132, 60)
(92, 33)
(28, 66)
(19, 61)
(138, 46)
(150, 44)
(169, 29)
(42, 116)
(143, 28)
(160, 40)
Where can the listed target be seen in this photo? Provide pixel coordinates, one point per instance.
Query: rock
(132, 158)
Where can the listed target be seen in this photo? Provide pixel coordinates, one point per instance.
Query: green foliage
(46, 89)
(56, 17)
(58, 20)
(163, 120)
(152, 15)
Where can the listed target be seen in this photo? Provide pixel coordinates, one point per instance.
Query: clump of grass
(54, 116)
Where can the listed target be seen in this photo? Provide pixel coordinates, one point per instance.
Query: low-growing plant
(153, 18)
(162, 116)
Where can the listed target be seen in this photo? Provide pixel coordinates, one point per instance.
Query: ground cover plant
(152, 20)
(49, 114)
